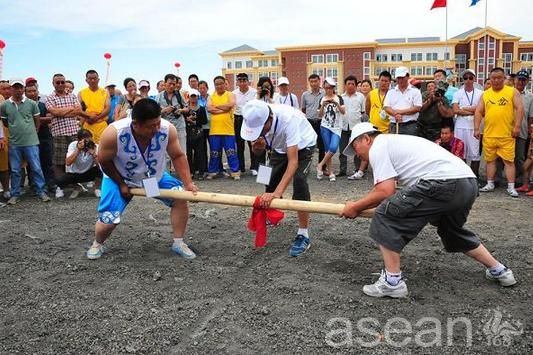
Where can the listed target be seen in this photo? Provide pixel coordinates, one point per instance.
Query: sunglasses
(468, 78)
(59, 82)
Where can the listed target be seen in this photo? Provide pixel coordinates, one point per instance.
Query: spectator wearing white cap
(440, 189)
(243, 94)
(464, 106)
(331, 111)
(402, 104)
(144, 88)
(520, 83)
(290, 140)
(284, 96)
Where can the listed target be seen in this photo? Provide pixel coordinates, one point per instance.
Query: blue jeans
(330, 139)
(217, 143)
(31, 154)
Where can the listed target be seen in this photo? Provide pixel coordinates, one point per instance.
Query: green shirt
(20, 119)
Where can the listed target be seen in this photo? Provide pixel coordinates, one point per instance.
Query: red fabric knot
(259, 220)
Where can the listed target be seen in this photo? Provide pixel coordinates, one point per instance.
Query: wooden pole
(248, 201)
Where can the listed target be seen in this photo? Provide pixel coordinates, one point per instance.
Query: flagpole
(446, 34)
(486, 6)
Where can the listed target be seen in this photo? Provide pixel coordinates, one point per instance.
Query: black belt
(405, 123)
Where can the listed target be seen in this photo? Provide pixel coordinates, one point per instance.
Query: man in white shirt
(289, 138)
(402, 104)
(464, 106)
(440, 189)
(243, 94)
(354, 103)
(284, 97)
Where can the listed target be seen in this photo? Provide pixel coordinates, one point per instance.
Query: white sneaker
(381, 288)
(59, 193)
(183, 250)
(90, 184)
(97, 193)
(254, 172)
(512, 192)
(332, 177)
(505, 278)
(487, 188)
(96, 252)
(358, 175)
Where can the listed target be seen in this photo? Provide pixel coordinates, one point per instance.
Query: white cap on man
(16, 81)
(401, 72)
(358, 130)
(194, 92)
(283, 81)
(144, 83)
(255, 113)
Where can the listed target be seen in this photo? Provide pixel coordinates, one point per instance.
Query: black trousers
(255, 160)
(46, 148)
(196, 155)
(319, 142)
(73, 178)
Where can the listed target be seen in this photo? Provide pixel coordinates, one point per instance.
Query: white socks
(510, 186)
(304, 232)
(393, 279)
(490, 183)
(498, 269)
(178, 241)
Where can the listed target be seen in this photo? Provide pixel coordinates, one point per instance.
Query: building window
(396, 57)
(366, 55)
(480, 45)
(262, 74)
(492, 43)
(319, 72)
(228, 65)
(490, 61)
(274, 77)
(250, 76)
(416, 57)
(317, 58)
(366, 71)
(274, 63)
(481, 76)
(460, 58)
(238, 64)
(446, 55)
(481, 61)
(332, 58)
(382, 57)
(249, 64)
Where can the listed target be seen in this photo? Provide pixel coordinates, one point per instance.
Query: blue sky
(147, 38)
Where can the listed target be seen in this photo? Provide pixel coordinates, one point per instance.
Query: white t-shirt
(355, 107)
(291, 100)
(411, 158)
(84, 161)
(241, 99)
(397, 100)
(332, 118)
(464, 99)
(289, 127)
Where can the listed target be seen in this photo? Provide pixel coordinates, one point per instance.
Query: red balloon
(2, 44)
(177, 65)
(107, 55)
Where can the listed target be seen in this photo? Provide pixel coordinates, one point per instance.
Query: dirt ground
(233, 299)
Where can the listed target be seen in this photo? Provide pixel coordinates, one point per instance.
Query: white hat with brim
(330, 81)
(283, 81)
(16, 81)
(358, 130)
(401, 72)
(194, 92)
(255, 113)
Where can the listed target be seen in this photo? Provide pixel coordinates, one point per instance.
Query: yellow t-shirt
(499, 112)
(94, 103)
(376, 105)
(221, 123)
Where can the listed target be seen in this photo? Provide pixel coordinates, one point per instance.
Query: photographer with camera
(435, 110)
(80, 164)
(265, 90)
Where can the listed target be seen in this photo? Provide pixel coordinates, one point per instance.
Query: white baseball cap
(358, 130)
(194, 92)
(16, 81)
(255, 113)
(144, 83)
(283, 81)
(471, 71)
(330, 81)
(401, 72)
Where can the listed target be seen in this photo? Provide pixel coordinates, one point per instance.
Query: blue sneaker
(183, 250)
(300, 245)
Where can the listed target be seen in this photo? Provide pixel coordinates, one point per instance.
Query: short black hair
(440, 71)
(385, 74)
(57, 75)
(219, 77)
(313, 76)
(170, 77)
(350, 78)
(145, 110)
(266, 79)
(84, 133)
(497, 69)
(203, 82)
(127, 80)
(448, 125)
(193, 76)
(367, 81)
(512, 76)
(70, 82)
(90, 71)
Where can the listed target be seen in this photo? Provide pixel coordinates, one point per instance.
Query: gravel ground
(140, 298)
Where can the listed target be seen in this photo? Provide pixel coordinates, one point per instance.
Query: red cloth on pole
(438, 3)
(260, 218)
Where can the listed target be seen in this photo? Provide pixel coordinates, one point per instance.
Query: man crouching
(132, 154)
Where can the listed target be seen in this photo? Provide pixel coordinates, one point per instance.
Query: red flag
(260, 218)
(438, 3)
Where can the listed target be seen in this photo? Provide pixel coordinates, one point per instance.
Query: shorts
(471, 143)
(443, 203)
(300, 187)
(61, 144)
(494, 147)
(112, 204)
(4, 156)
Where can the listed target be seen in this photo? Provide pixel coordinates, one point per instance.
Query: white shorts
(471, 143)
